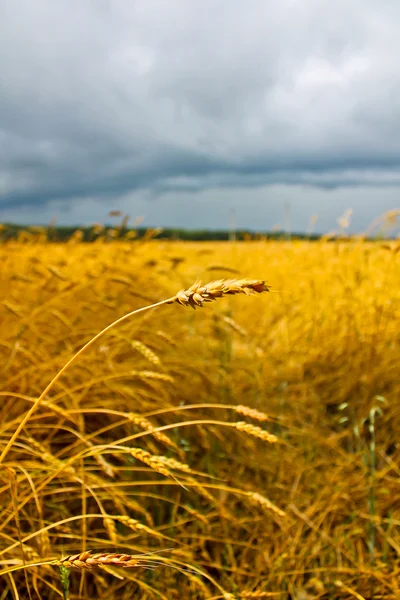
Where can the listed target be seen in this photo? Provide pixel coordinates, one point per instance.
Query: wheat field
(247, 449)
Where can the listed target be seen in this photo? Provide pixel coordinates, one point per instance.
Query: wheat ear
(89, 561)
(198, 293)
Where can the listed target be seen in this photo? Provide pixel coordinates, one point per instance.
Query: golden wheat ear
(88, 560)
(198, 293)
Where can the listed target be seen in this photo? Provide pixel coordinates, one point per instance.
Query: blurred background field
(319, 354)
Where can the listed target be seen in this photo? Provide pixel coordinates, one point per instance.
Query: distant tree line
(89, 234)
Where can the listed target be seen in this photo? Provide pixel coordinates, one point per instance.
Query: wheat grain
(195, 513)
(171, 463)
(201, 490)
(256, 432)
(252, 413)
(109, 524)
(265, 503)
(167, 338)
(198, 293)
(161, 464)
(147, 426)
(136, 525)
(150, 460)
(154, 375)
(146, 352)
(89, 561)
(235, 326)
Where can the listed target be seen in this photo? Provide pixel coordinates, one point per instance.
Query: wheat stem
(65, 367)
(194, 296)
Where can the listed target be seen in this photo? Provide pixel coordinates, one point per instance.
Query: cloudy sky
(182, 110)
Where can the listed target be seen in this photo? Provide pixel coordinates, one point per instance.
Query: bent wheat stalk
(195, 296)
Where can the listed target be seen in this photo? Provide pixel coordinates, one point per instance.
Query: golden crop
(245, 450)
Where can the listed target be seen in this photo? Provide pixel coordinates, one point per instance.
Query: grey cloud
(257, 208)
(100, 99)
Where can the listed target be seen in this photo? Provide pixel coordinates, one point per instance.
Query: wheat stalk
(194, 296)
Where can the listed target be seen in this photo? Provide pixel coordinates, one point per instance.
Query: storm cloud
(182, 110)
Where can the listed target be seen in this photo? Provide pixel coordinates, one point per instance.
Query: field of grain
(146, 447)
